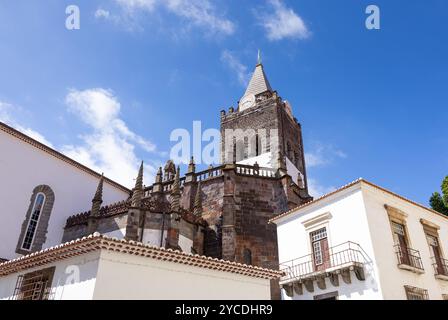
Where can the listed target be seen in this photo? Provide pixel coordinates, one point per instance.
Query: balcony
(341, 259)
(440, 268)
(409, 259)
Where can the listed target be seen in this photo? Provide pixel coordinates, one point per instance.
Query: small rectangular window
(34, 285)
(319, 234)
(414, 293)
(398, 229)
(320, 248)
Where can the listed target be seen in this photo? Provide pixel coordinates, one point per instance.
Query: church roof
(258, 83)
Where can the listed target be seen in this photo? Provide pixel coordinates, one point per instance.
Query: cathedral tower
(263, 130)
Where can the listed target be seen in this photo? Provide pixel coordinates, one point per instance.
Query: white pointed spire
(259, 82)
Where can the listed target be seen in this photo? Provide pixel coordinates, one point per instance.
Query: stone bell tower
(263, 130)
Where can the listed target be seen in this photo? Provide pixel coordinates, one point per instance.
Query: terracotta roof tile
(100, 242)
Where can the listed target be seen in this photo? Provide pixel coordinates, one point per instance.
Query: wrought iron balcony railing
(341, 256)
(440, 266)
(408, 257)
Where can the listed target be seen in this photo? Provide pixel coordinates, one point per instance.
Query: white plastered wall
(346, 221)
(392, 278)
(74, 278)
(22, 168)
(122, 276)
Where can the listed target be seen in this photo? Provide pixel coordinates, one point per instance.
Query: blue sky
(372, 103)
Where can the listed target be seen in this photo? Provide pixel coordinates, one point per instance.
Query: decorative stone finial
(137, 194)
(159, 176)
(175, 193)
(191, 166)
(281, 164)
(98, 198)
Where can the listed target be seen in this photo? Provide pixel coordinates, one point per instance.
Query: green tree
(439, 202)
(445, 191)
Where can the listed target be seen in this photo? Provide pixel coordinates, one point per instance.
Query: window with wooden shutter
(321, 254)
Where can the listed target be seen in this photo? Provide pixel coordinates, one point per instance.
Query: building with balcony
(363, 242)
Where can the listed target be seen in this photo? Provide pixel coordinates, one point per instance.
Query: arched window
(247, 256)
(297, 159)
(240, 150)
(257, 145)
(234, 150)
(289, 151)
(33, 221)
(246, 147)
(35, 226)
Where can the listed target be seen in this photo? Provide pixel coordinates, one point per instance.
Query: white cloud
(323, 155)
(35, 135)
(236, 66)
(6, 110)
(320, 156)
(283, 23)
(137, 4)
(315, 189)
(110, 147)
(200, 13)
(101, 13)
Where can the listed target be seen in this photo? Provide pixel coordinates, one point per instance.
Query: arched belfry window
(247, 256)
(35, 226)
(257, 145)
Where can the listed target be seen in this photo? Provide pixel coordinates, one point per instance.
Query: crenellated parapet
(106, 211)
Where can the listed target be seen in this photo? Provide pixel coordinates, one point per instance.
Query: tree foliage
(445, 191)
(439, 202)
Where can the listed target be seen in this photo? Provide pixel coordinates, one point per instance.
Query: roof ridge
(346, 186)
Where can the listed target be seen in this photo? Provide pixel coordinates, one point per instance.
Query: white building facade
(363, 242)
(102, 268)
(40, 189)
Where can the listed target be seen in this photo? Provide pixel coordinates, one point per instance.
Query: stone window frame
(315, 223)
(40, 234)
(432, 229)
(398, 216)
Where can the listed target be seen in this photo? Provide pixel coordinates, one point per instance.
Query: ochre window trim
(430, 227)
(398, 216)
